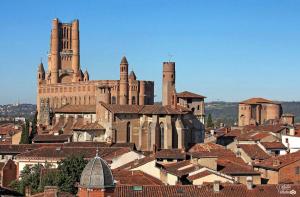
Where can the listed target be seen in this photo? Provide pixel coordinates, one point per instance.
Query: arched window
(162, 135)
(133, 100)
(113, 100)
(128, 132)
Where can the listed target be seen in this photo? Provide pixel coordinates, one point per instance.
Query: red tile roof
(61, 152)
(273, 145)
(187, 94)
(52, 138)
(125, 177)
(278, 162)
(257, 101)
(142, 109)
(76, 109)
(232, 168)
(199, 175)
(179, 169)
(254, 151)
(226, 190)
(137, 163)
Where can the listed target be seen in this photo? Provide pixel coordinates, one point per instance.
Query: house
(252, 153)
(280, 169)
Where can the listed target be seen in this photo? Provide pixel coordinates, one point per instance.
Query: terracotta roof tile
(254, 151)
(137, 163)
(125, 177)
(187, 94)
(141, 109)
(280, 161)
(232, 168)
(257, 101)
(76, 109)
(273, 145)
(226, 190)
(45, 138)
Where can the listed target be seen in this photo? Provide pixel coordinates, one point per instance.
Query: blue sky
(225, 50)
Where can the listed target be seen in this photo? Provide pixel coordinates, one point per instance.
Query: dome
(124, 60)
(97, 175)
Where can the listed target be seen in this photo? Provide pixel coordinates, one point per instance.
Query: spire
(41, 67)
(124, 60)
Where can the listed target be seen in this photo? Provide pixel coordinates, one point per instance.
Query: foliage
(209, 122)
(33, 128)
(30, 177)
(65, 176)
(25, 133)
(70, 172)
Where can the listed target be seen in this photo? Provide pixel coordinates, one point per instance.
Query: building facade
(65, 83)
(256, 111)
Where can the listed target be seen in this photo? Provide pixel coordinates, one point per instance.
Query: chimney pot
(216, 186)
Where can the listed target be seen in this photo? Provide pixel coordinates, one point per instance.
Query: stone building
(113, 111)
(256, 111)
(65, 83)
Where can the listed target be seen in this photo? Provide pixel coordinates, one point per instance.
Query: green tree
(30, 177)
(209, 122)
(70, 171)
(33, 128)
(25, 133)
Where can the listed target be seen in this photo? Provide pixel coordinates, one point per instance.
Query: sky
(226, 50)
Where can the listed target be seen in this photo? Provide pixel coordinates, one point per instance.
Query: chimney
(216, 186)
(249, 183)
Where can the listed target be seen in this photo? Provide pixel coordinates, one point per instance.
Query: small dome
(132, 76)
(124, 60)
(97, 175)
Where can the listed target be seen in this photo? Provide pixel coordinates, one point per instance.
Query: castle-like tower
(64, 57)
(168, 83)
(124, 81)
(65, 84)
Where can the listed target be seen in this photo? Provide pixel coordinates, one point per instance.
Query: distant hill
(227, 112)
(20, 110)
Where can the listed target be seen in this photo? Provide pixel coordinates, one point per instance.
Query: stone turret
(124, 81)
(41, 73)
(168, 83)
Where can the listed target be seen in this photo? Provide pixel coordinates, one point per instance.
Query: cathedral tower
(168, 83)
(64, 57)
(124, 81)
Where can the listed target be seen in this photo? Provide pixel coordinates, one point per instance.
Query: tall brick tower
(124, 81)
(168, 83)
(64, 57)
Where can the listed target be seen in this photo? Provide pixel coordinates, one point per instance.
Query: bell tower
(168, 82)
(64, 57)
(124, 81)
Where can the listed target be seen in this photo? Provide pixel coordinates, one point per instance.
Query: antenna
(97, 151)
(170, 56)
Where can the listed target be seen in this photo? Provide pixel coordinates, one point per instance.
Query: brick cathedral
(113, 111)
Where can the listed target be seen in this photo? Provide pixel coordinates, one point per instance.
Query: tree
(70, 172)
(33, 128)
(25, 133)
(30, 177)
(209, 122)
